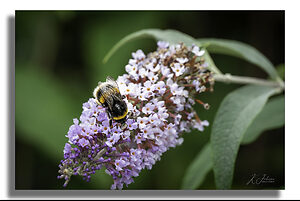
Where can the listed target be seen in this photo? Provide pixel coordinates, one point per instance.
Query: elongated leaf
(172, 36)
(236, 112)
(240, 50)
(198, 169)
(271, 117)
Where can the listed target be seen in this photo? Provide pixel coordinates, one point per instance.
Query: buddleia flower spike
(159, 90)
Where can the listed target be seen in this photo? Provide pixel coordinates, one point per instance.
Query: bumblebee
(108, 95)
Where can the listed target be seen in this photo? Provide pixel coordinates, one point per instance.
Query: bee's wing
(110, 90)
(111, 81)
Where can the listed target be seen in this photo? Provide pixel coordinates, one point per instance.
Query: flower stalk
(228, 78)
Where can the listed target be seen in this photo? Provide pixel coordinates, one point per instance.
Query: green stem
(228, 78)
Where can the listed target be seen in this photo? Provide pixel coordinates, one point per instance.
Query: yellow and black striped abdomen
(121, 116)
(119, 110)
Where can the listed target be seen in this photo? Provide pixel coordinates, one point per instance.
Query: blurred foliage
(59, 61)
(281, 70)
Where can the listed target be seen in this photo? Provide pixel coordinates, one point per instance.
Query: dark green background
(58, 62)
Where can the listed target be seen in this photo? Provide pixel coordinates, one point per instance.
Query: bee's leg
(123, 126)
(110, 120)
(123, 96)
(131, 115)
(110, 123)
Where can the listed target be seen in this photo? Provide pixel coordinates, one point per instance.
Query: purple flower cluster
(160, 89)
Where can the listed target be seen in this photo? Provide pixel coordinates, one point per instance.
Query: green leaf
(98, 39)
(202, 163)
(172, 36)
(271, 117)
(240, 50)
(236, 112)
(198, 169)
(281, 71)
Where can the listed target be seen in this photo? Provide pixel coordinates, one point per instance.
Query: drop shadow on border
(13, 193)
